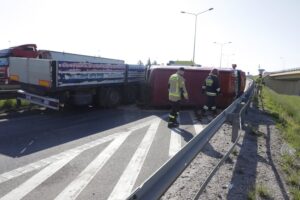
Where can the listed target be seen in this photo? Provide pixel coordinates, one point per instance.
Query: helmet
(214, 71)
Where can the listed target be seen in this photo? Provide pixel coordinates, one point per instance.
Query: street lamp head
(182, 12)
(211, 9)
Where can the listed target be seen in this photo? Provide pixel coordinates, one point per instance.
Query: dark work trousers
(174, 111)
(210, 103)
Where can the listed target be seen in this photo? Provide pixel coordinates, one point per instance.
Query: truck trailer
(26, 50)
(57, 79)
(156, 88)
(63, 56)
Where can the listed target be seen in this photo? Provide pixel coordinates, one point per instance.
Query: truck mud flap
(39, 100)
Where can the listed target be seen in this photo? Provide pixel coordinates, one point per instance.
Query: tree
(140, 62)
(154, 62)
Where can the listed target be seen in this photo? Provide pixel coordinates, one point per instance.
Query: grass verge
(11, 104)
(285, 109)
(259, 191)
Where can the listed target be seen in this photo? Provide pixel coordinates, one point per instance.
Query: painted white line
(175, 141)
(30, 143)
(126, 182)
(37, 179)
(23, 150)
(84, 178)
(198, 127)
(44, 162)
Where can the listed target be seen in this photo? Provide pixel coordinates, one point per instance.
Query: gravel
(254, 162)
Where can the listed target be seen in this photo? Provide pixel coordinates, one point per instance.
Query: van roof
(166, 67)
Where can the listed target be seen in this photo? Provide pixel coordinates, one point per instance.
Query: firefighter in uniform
(237, 81)
(211, 88)
(177, 92)
(259, 83)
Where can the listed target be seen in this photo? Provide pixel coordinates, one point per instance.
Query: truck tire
(130, 95)
(112, 98)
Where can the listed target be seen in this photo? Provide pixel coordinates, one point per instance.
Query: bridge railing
(286, 70)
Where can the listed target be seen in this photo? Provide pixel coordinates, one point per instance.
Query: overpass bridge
(293, 74)
(284, 82)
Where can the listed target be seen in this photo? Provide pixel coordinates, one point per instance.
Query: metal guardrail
(155, 186)
(237, 120)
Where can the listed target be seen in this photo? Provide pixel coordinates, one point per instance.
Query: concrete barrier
(289, 87)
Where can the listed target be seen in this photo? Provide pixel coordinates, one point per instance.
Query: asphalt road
(86, 153)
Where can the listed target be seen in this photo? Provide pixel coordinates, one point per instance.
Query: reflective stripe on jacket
(177, 88)
(211, 85)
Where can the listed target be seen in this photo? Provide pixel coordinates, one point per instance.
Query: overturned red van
(157, 84)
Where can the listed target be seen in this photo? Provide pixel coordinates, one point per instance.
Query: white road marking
(44, 162)
(37, 179)
(30, 143)
(23, 150)
(84, 178)
(198, 127)
(175, 142)
(125, 184)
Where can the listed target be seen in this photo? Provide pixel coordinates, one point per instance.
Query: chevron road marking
(129, 176)
(175, 141)
(37, 179)
(84, 178)
(66, 154)
(54, 163)
(198, 127)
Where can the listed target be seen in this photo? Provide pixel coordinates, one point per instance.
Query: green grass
(251, 195)
(11, 104)
(259, 191)
(235, 152)
(285, 109)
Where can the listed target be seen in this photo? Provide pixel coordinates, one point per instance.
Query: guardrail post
(234, 118)
(243, 112)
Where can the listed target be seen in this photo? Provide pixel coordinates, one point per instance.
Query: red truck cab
(26, 50)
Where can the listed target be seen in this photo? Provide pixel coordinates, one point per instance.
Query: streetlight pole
(222, 44)
(196, 15)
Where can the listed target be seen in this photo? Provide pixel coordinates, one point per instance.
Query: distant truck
(57, 79)
(156, 89)
(26, 50)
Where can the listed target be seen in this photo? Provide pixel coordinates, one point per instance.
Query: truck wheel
(112, 98)
(130, 95)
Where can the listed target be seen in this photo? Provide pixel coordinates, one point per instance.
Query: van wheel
(112, 98)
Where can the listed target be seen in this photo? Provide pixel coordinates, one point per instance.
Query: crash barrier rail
(237, 120)
(155, 186)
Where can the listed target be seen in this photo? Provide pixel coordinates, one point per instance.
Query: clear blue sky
(262, 32)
